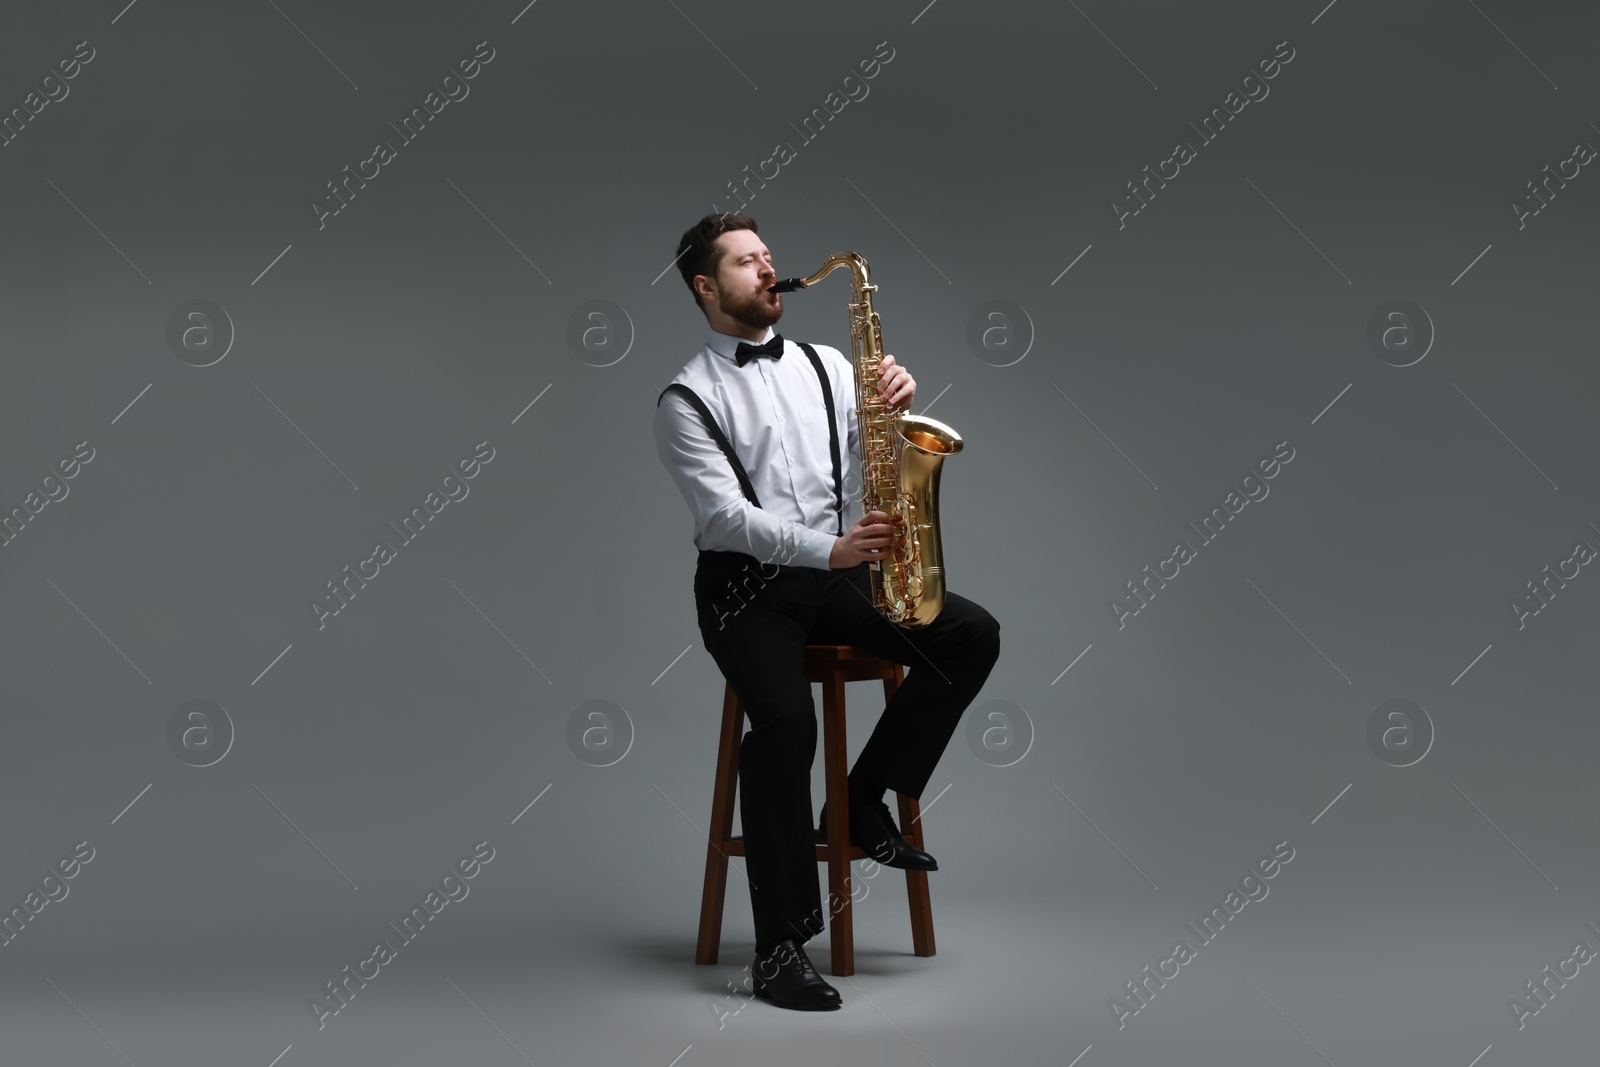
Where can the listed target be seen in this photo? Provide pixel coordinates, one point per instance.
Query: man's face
(743, 277)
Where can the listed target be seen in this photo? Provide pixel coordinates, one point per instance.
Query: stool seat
(832, 666)
(823, 662)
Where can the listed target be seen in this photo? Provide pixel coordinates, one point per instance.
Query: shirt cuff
(813, 549)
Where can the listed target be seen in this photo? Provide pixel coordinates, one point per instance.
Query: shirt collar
(725, 345)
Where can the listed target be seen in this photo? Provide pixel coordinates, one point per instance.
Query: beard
(757, 310)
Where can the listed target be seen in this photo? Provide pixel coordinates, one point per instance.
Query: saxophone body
(902, 456)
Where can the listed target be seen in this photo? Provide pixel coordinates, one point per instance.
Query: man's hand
(895, 383)
(869, 539)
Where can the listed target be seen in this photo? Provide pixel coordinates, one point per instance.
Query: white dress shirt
(772, 413)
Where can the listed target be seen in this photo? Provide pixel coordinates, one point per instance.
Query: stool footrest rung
(734, 846)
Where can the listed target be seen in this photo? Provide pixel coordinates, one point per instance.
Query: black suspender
(833, 434)
(727, 449)
(716, 435)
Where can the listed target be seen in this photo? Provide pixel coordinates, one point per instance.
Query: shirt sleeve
(723, 518)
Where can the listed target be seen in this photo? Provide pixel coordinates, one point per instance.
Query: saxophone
(901, 459)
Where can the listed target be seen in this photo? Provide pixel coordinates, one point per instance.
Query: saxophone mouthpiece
(788, 285)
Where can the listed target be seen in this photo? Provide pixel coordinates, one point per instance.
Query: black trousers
(755, 620)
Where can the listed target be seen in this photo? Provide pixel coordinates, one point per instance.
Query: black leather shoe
(785, 976)
(872, 827)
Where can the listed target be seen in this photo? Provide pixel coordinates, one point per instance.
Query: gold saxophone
(901, 458)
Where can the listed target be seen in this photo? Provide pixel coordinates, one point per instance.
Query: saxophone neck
(859, 271)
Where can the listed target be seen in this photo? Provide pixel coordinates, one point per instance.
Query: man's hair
(698, 252)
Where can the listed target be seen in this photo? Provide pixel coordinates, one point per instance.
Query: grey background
(1176, 352)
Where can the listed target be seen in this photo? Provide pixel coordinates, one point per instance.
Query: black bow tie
(746, 352)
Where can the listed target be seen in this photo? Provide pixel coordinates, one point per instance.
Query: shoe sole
(897, 866)
(820, 1005)
(903, 866)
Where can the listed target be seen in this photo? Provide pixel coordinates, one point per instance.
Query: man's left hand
(895, 383)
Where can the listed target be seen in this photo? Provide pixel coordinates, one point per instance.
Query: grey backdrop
(438, 309)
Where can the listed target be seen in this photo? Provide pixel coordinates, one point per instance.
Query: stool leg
(917, 881)
(841, 932)
(714, 891)
(911, 829)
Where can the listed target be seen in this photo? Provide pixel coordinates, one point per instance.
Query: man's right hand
(869, 539)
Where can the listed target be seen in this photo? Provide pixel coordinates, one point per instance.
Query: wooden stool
(833, 666)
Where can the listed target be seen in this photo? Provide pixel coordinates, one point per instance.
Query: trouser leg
(754, 627)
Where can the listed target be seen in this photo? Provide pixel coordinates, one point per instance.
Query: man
(744, 431)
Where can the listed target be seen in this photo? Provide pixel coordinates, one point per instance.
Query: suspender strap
(716, 435)
(833, 434)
